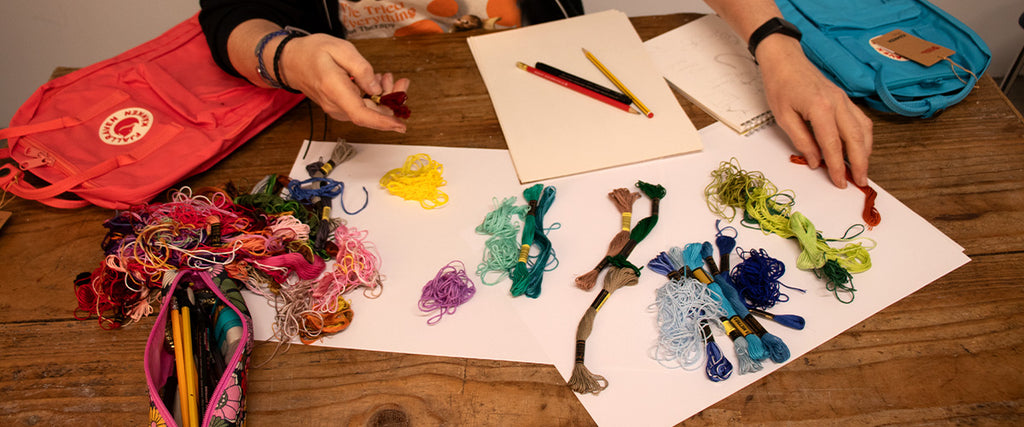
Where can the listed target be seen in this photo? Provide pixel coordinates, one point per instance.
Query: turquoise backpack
(837, 38)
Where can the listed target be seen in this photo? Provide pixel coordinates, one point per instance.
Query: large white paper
(625, 330)
(552, 131)
(415, 243)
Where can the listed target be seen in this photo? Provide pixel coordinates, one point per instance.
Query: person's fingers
(800, 135)
(857, 132)
(387, 83)
(401, 85)
(826, 132)
(343, 101)
(349, 59)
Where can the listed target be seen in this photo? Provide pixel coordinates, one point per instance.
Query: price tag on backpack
(918, 50)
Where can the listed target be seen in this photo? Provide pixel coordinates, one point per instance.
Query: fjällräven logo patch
(126, 126)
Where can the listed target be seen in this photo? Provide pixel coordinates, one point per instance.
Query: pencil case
(220, 324)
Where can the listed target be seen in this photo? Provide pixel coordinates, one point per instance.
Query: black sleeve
(540, 11)
(218, 18)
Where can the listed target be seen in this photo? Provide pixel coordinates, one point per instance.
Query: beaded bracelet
(261, 69)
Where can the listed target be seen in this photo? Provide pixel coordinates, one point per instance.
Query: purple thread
(445, 292)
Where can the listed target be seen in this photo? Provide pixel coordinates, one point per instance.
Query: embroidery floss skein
(695, 261)
(776, 348)
(320, 169)
(449, 289)
(545, 260)
(623, 200)
(788, 320)
(520, 271)
(582, 379)
(418, 179)
(725, 244)
(642, 228)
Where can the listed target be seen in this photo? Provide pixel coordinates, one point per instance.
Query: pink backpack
(118, 132)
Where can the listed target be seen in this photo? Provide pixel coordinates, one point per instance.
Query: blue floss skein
(755, 347)
(725, 244)
(694, 260)
(692, 256)
(331, 190)
(661, 264)
(777, 349)
(787, 320)
(718, 367)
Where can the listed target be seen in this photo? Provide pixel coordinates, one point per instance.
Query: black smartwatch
(774, 25)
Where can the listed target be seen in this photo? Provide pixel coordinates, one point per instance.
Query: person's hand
(332, 73)
(820, 119)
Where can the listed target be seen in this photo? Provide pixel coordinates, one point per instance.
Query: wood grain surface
(949, 354)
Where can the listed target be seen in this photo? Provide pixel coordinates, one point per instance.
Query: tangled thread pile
(770, 210)
(262, 239)
(418, 179)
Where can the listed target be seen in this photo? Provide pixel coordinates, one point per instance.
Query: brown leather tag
(918, 50)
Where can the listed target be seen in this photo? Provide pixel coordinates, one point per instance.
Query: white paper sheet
(552, 131)
(415, 243)
(625, 330)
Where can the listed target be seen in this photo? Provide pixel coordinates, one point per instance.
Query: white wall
(40, 35)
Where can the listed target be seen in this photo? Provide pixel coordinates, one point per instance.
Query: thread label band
(524, 252)
(741, 325)
(599, 301)
(730, 330)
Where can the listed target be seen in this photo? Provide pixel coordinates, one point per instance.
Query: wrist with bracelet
(274, 80)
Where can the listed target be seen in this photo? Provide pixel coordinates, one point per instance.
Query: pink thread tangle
(356, 264)
(280, 266)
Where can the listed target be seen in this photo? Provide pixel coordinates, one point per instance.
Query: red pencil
(577, 88)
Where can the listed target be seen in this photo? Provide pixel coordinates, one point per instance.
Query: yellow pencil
(190, 368)
(179, 363)
(618, 84)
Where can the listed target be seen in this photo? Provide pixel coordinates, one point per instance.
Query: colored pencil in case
(179, 361)
(611, 93)
(593, 59)
(580, 89)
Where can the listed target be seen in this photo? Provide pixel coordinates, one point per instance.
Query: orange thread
(870, 214)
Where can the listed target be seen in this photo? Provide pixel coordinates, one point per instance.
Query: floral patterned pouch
(219, 377)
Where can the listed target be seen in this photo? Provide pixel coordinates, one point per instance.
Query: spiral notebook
(709, 64)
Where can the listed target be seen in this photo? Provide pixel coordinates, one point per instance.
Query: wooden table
(948, 354)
